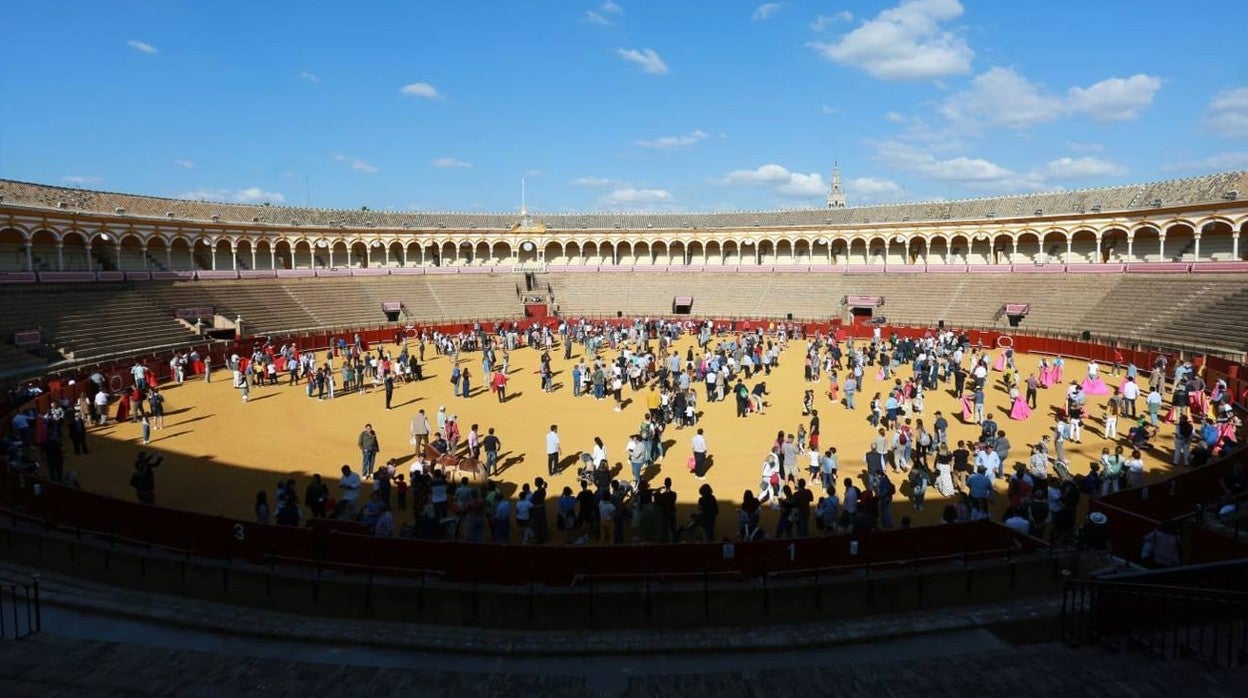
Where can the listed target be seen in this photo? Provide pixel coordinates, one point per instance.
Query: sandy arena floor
(220, 452)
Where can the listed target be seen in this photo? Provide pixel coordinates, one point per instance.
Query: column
(1130, 248)
(348, 256)
(30, 261)
(1100, 254)
(1196, 249)
(118, 255)
(1235, 245)
(233, 256)
(387, 255)
(212, 254)
(331, 256)
(1161, 253)
(169, 257)
(143, 251)
(60, 254)
(1013, 250)
(90, 264)
(253, 256)
(273, 256)
(1069, 245)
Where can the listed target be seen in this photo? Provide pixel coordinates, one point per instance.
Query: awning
(27, 338)
(683, 300)
(1017, 308)
(864, 301)
(191, 314)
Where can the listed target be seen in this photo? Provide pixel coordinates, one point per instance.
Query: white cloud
(533, 173)
(973, 172)
(766, 11)
(357, 164)
(829, 110)
(611, 8)
(592, 182)
(672, 142)
(81, 179)
(249, 195)
(646, 59)
(142, 47)
(184, 163)
(450, 163)
(822, 22)
(779, 179)
(631, 195)
(1002, 97)
(1227, 113)
(1114, 99)
(593, 17)
(1222, 162)
(1082, 168)
(311, 77)
(420, 89)
(895, 117)
(871, 186)
(906, 42)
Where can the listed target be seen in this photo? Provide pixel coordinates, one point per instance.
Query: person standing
(143, 480)
(420, 431)
(699, 455)
(315, 496)
(368, 450)
(78, 432)
(552, 450)
(491, 445)
(350, 486)
(388, 382)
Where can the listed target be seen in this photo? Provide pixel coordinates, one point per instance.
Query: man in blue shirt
(979, 485)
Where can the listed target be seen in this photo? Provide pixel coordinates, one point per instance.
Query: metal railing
(21, 614)
(1166, 622)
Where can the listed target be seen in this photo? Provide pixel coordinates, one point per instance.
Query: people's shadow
(650, 472)
(513, 396)
(626, 402)
(567, 462)
(507, 463)
(262, 397)
(667, 445)
(409, 402)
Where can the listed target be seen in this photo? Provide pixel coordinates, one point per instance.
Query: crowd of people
(967, 458)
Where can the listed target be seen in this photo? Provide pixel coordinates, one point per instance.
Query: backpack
(903, 439)
(925, 439)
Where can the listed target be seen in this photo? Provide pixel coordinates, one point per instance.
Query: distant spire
(524, 210)
(836, 197)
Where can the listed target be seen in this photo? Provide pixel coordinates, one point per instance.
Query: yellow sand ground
(220, 452)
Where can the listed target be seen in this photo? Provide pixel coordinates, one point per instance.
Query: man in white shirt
(552, 449)
(699, 455)
(1130, 391)
(350, 485)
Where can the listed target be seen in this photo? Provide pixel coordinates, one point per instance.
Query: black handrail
(1167, 622)
(21, 614)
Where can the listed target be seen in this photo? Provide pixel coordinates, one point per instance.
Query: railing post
(34, 582)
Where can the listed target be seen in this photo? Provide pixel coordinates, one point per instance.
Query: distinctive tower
(836, 197)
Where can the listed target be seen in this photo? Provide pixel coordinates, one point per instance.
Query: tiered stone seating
(90, 320)
(14, 361)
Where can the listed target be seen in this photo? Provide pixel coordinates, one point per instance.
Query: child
(1110, 415)
(801, 437)
(245, 387)
(147, 431)
(400, 486)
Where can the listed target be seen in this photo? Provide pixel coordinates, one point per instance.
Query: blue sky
(617, 105)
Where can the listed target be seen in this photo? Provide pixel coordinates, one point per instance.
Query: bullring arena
(96, 282)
